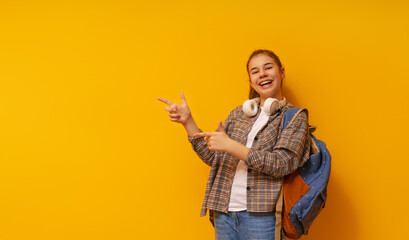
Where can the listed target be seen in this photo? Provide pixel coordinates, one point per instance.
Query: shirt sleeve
(201, 149)
(290, 152)
(199, 144)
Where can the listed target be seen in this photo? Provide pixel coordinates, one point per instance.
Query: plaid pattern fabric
(274, 154)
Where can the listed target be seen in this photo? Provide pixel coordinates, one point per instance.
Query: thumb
(182, 97)
(220, 127)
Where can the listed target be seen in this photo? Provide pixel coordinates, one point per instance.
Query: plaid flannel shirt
(274, 154)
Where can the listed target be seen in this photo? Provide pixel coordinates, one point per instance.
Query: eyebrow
(263, 65)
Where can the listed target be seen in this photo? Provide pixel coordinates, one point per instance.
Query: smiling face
(265, 77)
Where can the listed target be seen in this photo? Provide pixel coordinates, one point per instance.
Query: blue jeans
(244, 225)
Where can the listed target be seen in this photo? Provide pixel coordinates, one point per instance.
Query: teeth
(264, 83)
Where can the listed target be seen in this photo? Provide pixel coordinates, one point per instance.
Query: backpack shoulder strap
(289, 116)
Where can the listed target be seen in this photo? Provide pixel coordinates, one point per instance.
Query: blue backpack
(304, 192)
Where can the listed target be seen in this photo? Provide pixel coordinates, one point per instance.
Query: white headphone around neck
(250, 107)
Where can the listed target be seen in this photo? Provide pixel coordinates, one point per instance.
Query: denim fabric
(244, 225)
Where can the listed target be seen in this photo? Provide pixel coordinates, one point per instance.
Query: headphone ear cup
(250, 107)
(271, 105)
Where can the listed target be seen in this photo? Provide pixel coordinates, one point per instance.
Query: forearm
(267, 162)
(277, 163)
(238, 150)
(191, 127)
(198, 143)
(283, 159)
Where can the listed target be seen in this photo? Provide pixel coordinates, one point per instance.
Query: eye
(268, 68)
(254, 72)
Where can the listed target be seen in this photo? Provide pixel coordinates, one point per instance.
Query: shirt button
(248, 188)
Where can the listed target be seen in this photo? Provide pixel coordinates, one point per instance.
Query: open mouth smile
(266, 83)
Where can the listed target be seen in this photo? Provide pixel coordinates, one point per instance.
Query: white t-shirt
(238, 195)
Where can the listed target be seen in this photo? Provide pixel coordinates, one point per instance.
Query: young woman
(249, 154)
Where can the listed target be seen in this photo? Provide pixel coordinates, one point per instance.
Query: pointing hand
(179, 113)
(217, 141)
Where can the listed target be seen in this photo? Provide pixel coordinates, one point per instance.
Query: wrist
(189, 122)
(190, 126)
(238, 150)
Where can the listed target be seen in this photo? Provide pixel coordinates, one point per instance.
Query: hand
(177, 113)
(217, 141)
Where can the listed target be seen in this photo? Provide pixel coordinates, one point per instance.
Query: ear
(282, 73)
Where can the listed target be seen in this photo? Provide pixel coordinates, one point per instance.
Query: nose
(262, 74)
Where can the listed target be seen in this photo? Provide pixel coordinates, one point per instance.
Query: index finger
(203, 134)
(164, 100)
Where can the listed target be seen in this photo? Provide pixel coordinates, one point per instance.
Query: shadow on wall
(338, 220)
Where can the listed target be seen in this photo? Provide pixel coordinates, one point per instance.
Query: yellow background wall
(87, 152)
